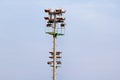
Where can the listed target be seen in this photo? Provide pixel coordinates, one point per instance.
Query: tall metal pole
(54, 18)
(54, 49)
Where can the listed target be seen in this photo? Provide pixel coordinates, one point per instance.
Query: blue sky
(91, 45)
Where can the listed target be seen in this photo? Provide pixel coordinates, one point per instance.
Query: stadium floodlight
(54, 18)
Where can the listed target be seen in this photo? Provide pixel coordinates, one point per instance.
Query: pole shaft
(54, 49)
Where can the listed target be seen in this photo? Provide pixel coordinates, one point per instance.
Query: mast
(54, 18)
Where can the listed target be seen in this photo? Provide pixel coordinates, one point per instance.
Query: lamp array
(58, 57)
(59, 19)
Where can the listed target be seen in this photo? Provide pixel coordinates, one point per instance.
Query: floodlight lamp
(49, 25)
(62, 25)
(47, 10)
(58, 57)
(46, 18)
(60, 18)
(51, 57)
(59, 62)
(60, 21)
(51, 21)
(58, 53)
(49, 62)
(51, 53)
(58, 11)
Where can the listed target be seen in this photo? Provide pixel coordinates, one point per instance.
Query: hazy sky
(91, 45)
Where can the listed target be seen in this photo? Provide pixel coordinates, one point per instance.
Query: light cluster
(58, 56)
(55, 17)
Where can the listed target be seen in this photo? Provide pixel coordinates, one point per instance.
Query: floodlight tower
(55, 22)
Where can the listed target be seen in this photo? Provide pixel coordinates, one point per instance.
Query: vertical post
(54, 18)
(54, 49)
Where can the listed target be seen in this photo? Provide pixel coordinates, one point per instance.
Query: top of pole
(59, 20)
(56, 11)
